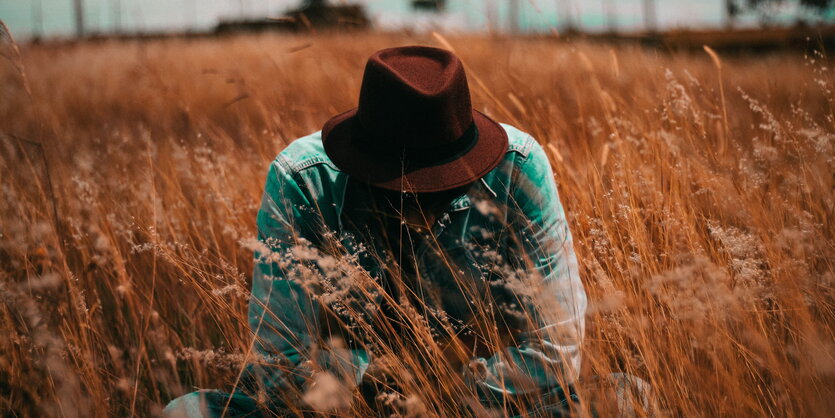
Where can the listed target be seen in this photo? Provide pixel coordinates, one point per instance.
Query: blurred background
(693, 143)
(35, 19)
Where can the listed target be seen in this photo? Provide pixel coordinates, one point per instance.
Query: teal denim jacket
(303, 203)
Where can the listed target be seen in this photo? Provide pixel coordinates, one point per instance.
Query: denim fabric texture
(515, 210)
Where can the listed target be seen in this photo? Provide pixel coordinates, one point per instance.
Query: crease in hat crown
(420, 88)
(448, 62)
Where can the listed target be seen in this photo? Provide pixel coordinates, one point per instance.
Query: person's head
(415, 130)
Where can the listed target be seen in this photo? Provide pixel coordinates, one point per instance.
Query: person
(416, 230)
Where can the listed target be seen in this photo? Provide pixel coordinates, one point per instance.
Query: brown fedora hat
(415, 128)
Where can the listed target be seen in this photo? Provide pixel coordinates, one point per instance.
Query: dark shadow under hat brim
(338, 139)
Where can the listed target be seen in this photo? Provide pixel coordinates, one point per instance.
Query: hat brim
(390, 173)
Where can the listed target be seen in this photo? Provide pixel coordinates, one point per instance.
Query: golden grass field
(699, 191)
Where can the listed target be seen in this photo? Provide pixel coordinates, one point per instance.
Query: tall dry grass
(132, 173)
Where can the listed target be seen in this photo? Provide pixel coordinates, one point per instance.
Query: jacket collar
(460, 203)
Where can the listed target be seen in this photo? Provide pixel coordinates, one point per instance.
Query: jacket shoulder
(518, 141)
(305, 152)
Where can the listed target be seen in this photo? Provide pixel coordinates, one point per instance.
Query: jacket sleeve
(283, 310)
(546, 290)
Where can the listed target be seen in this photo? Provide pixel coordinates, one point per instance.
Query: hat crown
(414, 98)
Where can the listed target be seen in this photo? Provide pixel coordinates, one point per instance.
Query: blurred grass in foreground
(704, 228)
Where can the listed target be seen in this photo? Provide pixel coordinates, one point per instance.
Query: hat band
(441, 154)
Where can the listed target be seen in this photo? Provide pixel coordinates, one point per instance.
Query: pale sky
(55, 17)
